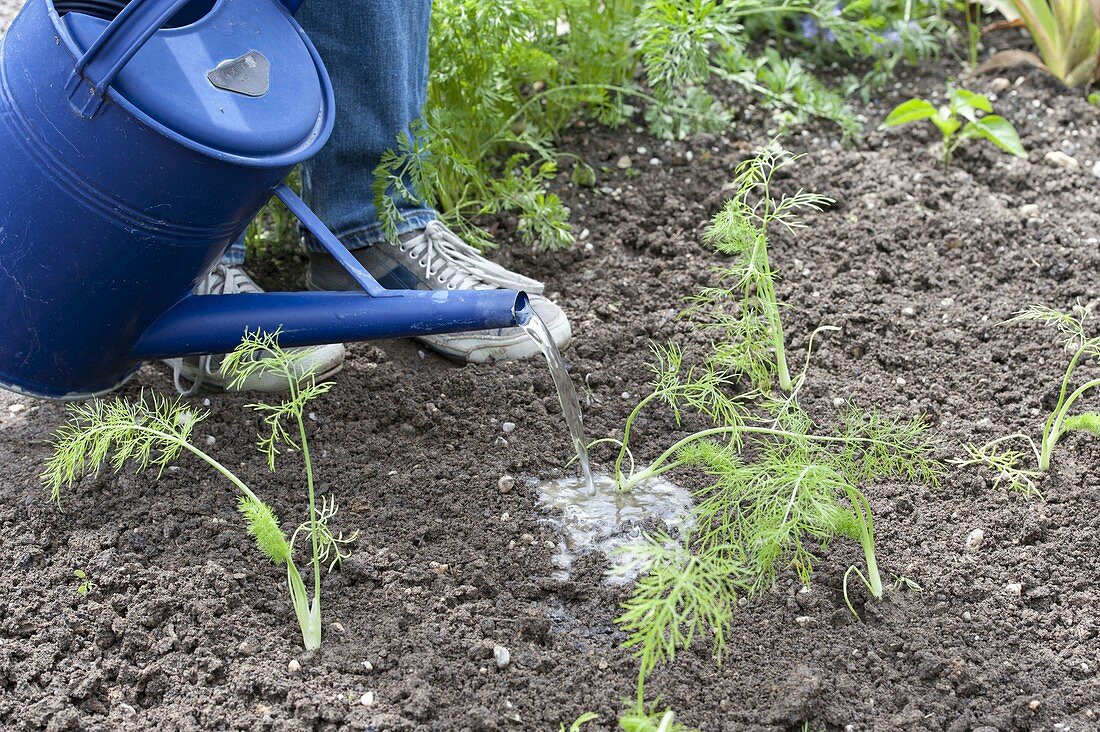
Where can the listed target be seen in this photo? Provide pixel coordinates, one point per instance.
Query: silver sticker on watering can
(249, 75)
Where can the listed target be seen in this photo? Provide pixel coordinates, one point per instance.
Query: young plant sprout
(153, 431)
(977, 122)
(1006, 462)
(742, 309)
(779, 486)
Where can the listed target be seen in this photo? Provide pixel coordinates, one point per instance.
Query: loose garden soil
(188, 627)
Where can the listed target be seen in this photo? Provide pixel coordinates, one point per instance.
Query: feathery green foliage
(742, 309)
(153, 431)
(507, 77)
(1006, 463)
(967, 116)
(681, 595)
(780, 486)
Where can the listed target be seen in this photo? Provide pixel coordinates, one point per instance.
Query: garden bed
(185, 627)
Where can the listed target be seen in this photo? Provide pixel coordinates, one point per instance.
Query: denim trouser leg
(376, 52)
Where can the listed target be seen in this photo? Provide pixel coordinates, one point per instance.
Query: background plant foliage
(507, 76)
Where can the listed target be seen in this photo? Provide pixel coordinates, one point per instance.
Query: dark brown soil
(187, 627)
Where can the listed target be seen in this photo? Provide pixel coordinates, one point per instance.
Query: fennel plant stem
(313, 640)
(866, 539)
(1053, 430)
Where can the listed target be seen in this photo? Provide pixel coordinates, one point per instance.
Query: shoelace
(457, 264)
(222, 280)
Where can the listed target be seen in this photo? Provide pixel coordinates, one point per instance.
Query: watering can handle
(124, 37)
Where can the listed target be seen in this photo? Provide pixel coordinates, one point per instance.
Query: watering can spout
(215, 323)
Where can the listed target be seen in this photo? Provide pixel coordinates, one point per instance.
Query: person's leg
(376, 52)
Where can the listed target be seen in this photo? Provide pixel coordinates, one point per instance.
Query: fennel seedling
(1006, 463)
(742, 310)
(153, 431)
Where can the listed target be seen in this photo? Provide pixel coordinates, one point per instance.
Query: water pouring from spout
(532, 324)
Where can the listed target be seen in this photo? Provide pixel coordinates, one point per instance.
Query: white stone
(1059, 159)
(505, 483)
(508, 427)
(1014, 588)
(294, 667)
(624, 162)
(974, 540)
(367, 699)
(501, 656)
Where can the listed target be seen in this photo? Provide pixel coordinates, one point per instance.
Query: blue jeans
(376, 52)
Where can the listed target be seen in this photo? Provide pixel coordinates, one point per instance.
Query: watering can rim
(305, 150)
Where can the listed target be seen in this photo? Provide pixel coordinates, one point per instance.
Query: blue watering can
(137, 142)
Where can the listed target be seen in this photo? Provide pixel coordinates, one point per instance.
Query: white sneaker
(434, 258)
(205, 371)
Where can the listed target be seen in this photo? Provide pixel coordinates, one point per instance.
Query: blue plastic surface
(166, 78)
(110, 215)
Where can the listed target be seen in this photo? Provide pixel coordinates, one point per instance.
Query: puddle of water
(606, 519)
(567, 395)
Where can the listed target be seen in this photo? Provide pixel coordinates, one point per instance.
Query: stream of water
(593, 514)
(567, 395)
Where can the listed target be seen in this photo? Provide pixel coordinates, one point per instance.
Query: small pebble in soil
(206, 402)
(624, 162)
(908, 312)
(1059, 159)
(999, 85)
(803, 620)
(294, 667)
(967, 616)
(210, 439)
(900, 381)
(505, 483)
(126, 709)
(1096, 169)
(1029, 209)
(368, 666)
(654, 161)
(501, 657)
(508, 427)
(16, 408)
(505, 516)
(838, 402)
(367, 699)
(974, 540)
(1014, 589)
(246, 648)
(1033, 704)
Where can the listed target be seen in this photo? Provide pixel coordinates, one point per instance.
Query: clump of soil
(188, 628)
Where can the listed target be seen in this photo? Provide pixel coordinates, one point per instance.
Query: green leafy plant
(153, 431)
(742, 310)
(1007, 463)
(1065, 32)
(779, 486)
(86, 584)
(642, 720)
(508, 77)
(967, 116)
